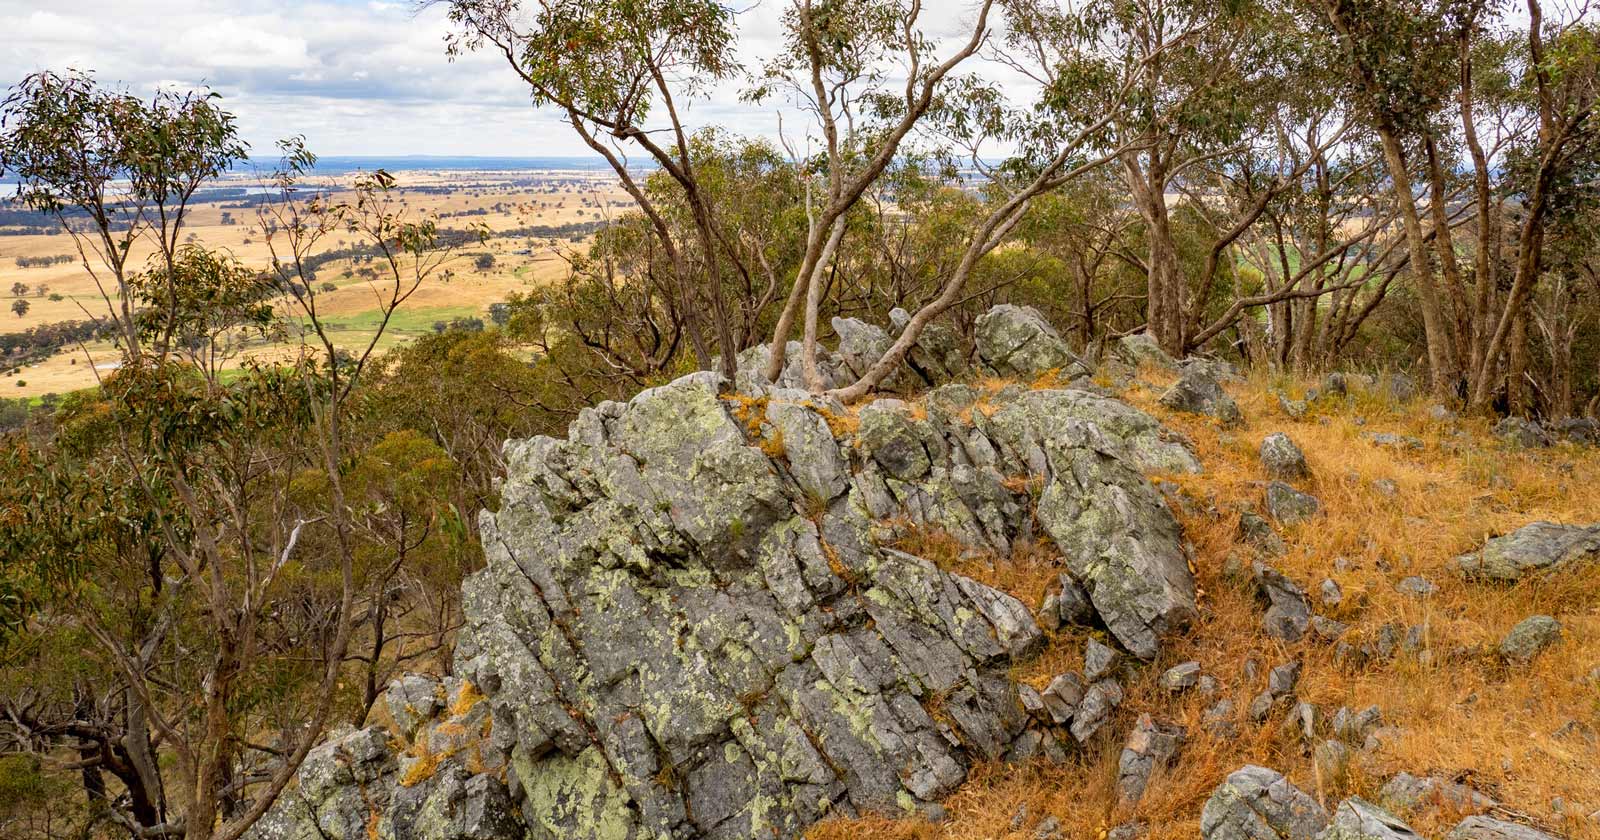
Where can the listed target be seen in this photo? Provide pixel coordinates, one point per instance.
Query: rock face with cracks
(690, 637)
(694, 622)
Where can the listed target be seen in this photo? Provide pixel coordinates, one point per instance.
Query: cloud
(354, 76)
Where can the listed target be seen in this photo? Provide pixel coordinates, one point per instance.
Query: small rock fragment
(1181, 676)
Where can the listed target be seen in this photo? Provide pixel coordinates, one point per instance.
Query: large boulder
(684, 630)
(1018, 341)
(1257, 803)
(1536, 548)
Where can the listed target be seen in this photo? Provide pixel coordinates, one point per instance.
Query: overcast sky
(356, 77)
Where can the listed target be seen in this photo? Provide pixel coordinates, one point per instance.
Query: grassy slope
(1464, 714)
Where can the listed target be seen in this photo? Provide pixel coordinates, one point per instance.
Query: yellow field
(508, 199)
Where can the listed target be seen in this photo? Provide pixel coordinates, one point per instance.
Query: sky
(356, 77)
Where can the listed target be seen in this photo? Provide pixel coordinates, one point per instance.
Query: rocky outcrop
(695, 622)
(1537, 548)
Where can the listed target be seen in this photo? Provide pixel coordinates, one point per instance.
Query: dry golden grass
(1461, 713)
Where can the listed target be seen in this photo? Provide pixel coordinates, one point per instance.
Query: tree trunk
(1163, 285)
(1441, 367)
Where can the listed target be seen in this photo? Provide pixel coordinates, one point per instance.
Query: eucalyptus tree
(623, 73)
(1400, 65)
(157, 525)
(1555, 173)
(867, 74)
(1210, 75)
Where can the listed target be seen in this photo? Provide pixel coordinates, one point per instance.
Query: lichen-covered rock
(1358, 819)
(1255, 803)
(1406, 793)
(1018, 341)
(1536, 548)
(1531, 635)
(1282, 458)
(1118, 538)
(1288, 505)
(1197, 392)
(694, 622)
(686, 633)
(1140, 348)
(440, 781)
(936, 357)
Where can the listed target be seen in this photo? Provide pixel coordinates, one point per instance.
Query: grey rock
(1389, 440)
(1332, 595)
(1288, 505)
(1259, 534)
(1528, 638)
(1127, 831)
(1406, 793)
(1218, 719)
(1416, 586)
(1358, 819)
(1062, 697)
(1332, 760)
(1018, 341)
(1098, 661)
(1283, 458)
(1534, 549)
(1140, 348)
(1198, 393)
(936, 357)
(1353, 727)
(412, 699)
(1479, 827)
(1582, 431)
(1256, 803)
(1181, 677)
(1119, 540)
(1282, 679)
(1150, 745)
(1288, 610)
(1292, 409)
(1328, 629)
(1101, 699)
(1072, 602)
(1386, 487)
(1048, 828)
(1401, 387)
(1522, 433)
(861, 345)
